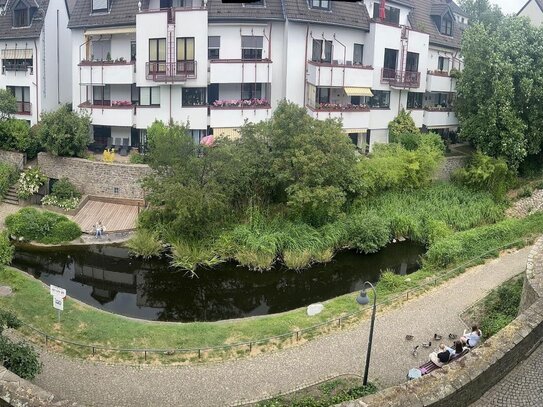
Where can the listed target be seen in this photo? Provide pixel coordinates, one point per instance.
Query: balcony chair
(124, 149)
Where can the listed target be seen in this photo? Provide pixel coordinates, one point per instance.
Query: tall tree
(65, 132)
(481, 11)
(8, 104)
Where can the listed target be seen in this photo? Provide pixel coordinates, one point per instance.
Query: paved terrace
(230, 382)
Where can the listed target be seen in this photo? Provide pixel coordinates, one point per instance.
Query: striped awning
(355, 130)
(352, 91)
(111, 31)
(13, 53)
(230, 132)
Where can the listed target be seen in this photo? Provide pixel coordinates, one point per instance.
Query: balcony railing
(171, 71)
(24, 107)
(339, 107)
(340, 64)
(17, 68)
(400, 79)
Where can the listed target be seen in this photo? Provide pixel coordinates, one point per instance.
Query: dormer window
(392, 14)
(320, 4)
(100, 5)
(22, 14)
(446, 26)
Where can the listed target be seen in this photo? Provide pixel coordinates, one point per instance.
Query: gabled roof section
(122, 12)
(456, 9)
(420, 19)
(271, 10)
(538, 2)
(8, 32)
(345, 14)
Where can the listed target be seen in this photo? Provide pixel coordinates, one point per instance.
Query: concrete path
(522, 387)
(226, 383)
(5, 210)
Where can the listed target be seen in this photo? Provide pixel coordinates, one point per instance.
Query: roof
(421, 20)
(217, 10)
(538, 2)
(456, 9)
(33, 31)
(347, 14)
(121, 12)
(70, 4)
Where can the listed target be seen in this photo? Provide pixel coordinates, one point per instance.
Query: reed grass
(145, 243)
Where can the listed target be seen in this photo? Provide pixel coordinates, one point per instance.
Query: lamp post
(363, 299)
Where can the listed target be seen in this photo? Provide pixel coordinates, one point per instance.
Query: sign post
(58, 294)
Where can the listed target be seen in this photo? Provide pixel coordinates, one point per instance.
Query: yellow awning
(355, 130)
(111, 31)
(230, 132)
(351, 91)
(23, 53)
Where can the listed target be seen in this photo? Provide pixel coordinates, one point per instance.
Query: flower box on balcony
(337, 107)
(241, 104)
(120, 61)
(439, 73)
(438, 109)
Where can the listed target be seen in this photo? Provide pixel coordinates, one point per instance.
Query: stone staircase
(11, 196)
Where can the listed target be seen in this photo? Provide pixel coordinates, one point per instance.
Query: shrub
(391, 281)
(6, 251)
(367, 232)
(64, 189)
(136, 158)
(42, 226)
(7, 319)
(20, 359)
(30, 182)
(8, 175)
(403, 124)
(144, 243)
(525, 192)
(66, 204)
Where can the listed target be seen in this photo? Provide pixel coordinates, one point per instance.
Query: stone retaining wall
(96, 177)
(12, 157)
(450, 164)
(465, 381)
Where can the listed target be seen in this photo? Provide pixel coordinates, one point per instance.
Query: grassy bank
(84, 324)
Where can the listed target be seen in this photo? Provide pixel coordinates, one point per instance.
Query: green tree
(402, 125)
(481, 11)
(65, 132)
(8, 104)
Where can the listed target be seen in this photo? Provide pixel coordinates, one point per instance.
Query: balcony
(439, 117)
(24, 108)
(23, 68)
(352, 116)
(178, 71)
(116, 114)
(338, 75)
(400, 79)
(106, 73)
(440, 81)
(240, 71)
(233, 113)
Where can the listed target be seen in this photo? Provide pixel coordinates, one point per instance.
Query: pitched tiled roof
(33, 31)
(421, 20)
(345, 14)
(122, 12)
(217, 10)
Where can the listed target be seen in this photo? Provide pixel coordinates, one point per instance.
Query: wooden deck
(115, 217)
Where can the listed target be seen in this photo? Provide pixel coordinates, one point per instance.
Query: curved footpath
(232, 382)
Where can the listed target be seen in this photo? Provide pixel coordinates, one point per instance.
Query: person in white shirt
(472, 339)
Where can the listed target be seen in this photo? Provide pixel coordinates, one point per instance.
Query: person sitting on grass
(442, 356)
(472, 339)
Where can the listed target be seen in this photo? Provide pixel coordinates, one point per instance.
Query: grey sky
(509, 6)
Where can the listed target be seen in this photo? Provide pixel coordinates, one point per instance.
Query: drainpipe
(58, 59)
(305, 62)
(344, 57)
(171, 104)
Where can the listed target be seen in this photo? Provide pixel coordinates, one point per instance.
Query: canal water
(106, 277)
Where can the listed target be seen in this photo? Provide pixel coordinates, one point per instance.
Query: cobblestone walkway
(224, 384)
(522, 387)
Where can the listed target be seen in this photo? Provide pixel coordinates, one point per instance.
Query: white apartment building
(34, 47)
(216, 66)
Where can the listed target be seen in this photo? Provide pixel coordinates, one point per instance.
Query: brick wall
(95, 177)
(12, 157)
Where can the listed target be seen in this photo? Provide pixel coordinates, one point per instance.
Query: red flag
(382, 10)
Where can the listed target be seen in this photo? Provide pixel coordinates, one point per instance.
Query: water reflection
(107, 278)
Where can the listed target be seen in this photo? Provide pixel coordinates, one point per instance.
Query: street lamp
(363, 299)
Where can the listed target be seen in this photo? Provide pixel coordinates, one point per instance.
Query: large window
(194, 96)
(16, 59)
(157, 55)
(22, 98)
(318, 55)
(392, 14)
(414, 100)
(358, 54)
(412, 62)
(443, 64)
(446, 26)
(101, 49)
(251, 91)
(251, 46)
(320, 4)
(380, 99)
(150, 96)
(101, 95)
(391, 56)
(99, 5)
(213, 47)
(185, 49)
(323, 95)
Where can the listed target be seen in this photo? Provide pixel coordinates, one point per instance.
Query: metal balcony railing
(171, 71)
(7, 67)
(400, 79)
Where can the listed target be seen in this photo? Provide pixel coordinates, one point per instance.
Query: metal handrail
(405, 79)
(161, 71)
(248, 345)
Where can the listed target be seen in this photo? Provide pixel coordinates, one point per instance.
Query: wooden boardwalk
(114, 217)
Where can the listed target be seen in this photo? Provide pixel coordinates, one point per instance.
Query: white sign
(58, 303)
(57, 291)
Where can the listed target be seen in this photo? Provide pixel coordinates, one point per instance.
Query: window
(443, 99)
(256, 3)
(358, 54)
(135, 94)
(251, 47)
(380, 99)
(185, 49)
(392, 14)
(174, 3)
(194, 96)
(251, 91)
(412, 62)
(22, 15)
(22, 97)
(320, 4)
(101, 95)
(389, 63)
(99, 5)
(323, 95)
(157, 55)
(100, 50)
(317, 55)
(414, 100)
(132, 51)
(16, 59)
(213, 47)
(197, 135)
(150, 96)
(443, 64)
(446, 26)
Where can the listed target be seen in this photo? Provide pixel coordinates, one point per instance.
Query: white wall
(120, 45)
(534, 13)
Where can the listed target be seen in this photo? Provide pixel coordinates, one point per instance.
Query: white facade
(37, 69)
(250, 66)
